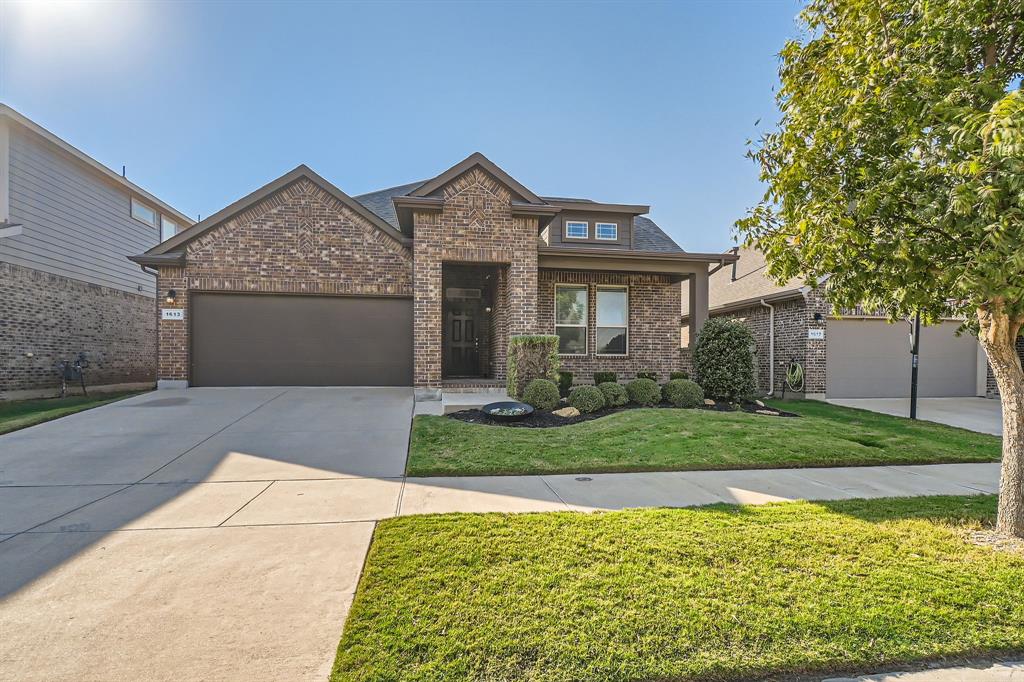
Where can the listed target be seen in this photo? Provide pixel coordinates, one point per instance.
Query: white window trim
(164, 220)
(597, 232)
(156, 213)
(585, 325)
(584, 223)
(610, 287)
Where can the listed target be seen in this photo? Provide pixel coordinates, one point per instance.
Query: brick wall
(475, 226)
(299, 240)
(654, 320)
(55, 318)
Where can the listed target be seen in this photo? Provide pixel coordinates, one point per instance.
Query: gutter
(771, 347)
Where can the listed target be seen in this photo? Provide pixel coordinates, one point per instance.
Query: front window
(612, 321)
(577, 230)
(571, 319)
(143, 213)
(168, 228)
(607, 231)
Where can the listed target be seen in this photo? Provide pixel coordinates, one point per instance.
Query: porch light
(172, 296)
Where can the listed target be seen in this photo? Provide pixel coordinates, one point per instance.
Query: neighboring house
(423, 284)
(855, 355)
(67, 224)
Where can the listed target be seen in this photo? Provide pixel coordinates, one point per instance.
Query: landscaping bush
(614, 394)
(644, 392)
(683, 393)
(564, 383)
(586, 399)
(647, 374)
(605, 378)
(541, 394)
(529, 358)
(723, 362)
(678, 375)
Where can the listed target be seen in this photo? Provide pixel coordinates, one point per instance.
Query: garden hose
(795, 377)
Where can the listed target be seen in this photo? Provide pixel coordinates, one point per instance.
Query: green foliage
(614, 394)
(678, 375)
(586, 399)
(723, 363)
(564, 383)
(647, 374)
(644, 392)
(605, 377)
(897, 167)
(541, 394)
(531, 357)
(683, 393)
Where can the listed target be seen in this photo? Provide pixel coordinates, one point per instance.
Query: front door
(462, 345)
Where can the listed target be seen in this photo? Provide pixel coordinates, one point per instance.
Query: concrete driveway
(211, 534)
(974, 414)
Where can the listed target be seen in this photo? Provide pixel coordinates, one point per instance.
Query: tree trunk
(998, 336)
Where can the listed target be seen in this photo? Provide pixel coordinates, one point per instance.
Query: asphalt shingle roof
(647, 235)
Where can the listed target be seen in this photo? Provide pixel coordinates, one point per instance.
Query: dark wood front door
(462, 342)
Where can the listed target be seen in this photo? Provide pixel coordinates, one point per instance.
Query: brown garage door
(271, 340)
(871, 359)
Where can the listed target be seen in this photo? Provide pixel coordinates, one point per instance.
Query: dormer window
(575, 229)
(607, 231)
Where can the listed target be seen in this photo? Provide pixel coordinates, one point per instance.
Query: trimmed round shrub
(644, 392)
(614, 395)
(586, 399)
(678, 375)
(683, 393)
(541, 394)
(723, 360)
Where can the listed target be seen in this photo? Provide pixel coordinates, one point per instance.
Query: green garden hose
(795, 377)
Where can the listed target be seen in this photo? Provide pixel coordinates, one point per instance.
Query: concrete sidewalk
(593, 492)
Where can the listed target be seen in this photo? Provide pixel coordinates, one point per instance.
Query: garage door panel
(871, 359)
(277, 340)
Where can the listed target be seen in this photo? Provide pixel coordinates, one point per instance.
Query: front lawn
(669, 439)
(18, 414)
(713, 593)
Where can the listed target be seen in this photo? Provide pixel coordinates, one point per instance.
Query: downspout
(771, 347)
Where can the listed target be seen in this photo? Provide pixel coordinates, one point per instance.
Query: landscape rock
(769, 412)
(567, 412)
(709, 402)
(759, 403)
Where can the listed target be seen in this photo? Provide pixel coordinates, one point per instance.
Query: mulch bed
(542, 419)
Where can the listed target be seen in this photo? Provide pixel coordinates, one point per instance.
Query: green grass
(670, 440)
(18, 414)
(714, 593)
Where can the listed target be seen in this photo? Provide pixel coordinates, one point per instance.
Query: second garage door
(272, 340)
(871, 359)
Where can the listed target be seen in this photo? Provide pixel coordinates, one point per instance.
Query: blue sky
(638, 102)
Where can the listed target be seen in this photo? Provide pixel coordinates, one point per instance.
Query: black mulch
(542, 419)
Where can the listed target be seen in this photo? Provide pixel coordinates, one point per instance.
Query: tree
(896, 176)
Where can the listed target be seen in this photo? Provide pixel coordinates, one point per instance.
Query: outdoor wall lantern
(818, 317)
(172, 296)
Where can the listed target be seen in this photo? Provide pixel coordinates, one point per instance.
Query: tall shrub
(723, 362)
(531, 357)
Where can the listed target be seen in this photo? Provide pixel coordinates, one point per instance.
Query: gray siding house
(67, 224)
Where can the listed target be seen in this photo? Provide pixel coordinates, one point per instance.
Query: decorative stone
(768, 412)
(759, 403)
(567, 412)
(709, 402)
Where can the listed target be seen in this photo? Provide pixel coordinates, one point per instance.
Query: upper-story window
(168, 228)
(575, 229)
(607, 231)
(144, 213)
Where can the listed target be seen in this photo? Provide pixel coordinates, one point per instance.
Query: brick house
(421, 284)
(67, 223)
(854, 354)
